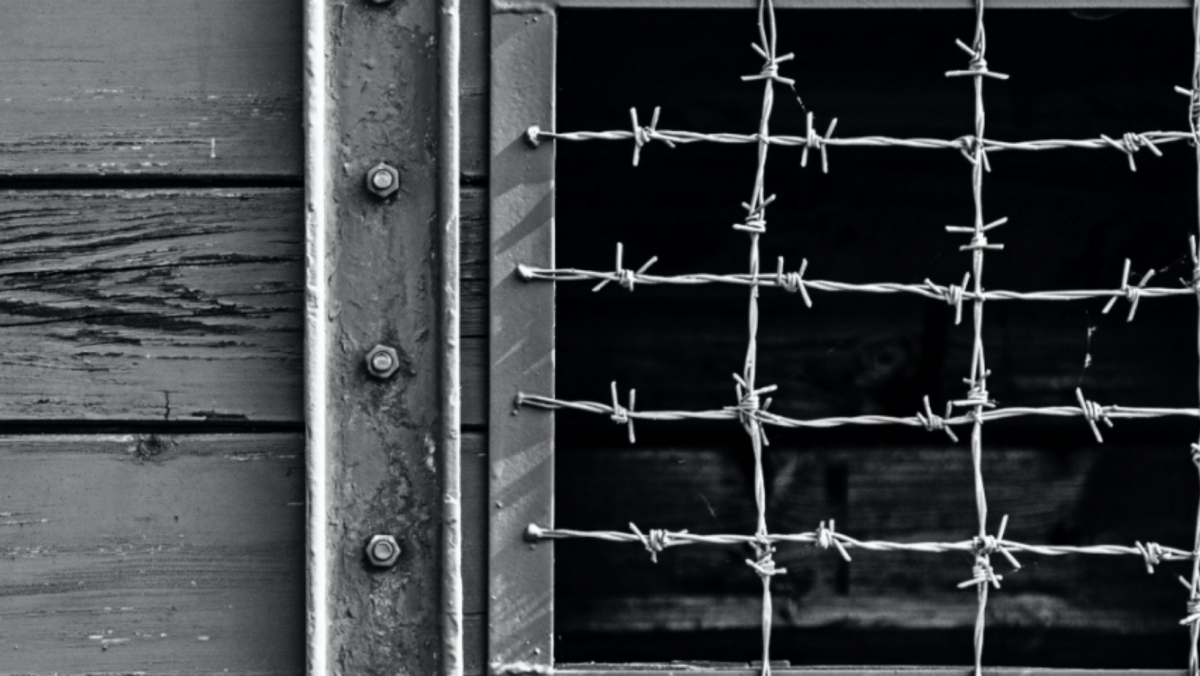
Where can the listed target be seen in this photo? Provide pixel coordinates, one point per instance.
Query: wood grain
(151, 305)
(127, 86)
(155, 554)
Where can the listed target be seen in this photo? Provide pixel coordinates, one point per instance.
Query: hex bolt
(383, 362)
(383, 180)
(383, 551)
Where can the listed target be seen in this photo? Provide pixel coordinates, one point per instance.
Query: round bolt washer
(383, 362)
(383, 551)
(383, 180)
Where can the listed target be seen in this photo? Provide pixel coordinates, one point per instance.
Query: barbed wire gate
(750, 407)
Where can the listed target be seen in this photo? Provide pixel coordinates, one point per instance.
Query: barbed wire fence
(750, 407)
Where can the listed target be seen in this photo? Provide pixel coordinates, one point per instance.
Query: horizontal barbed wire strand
(1091, 412)
(656, 540)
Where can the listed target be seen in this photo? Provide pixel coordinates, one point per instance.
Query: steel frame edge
(549, 6)
(317, 219)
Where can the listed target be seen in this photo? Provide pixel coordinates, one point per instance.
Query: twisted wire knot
(1196, 455)
(643, 135)
(770, 69)
(977, 394)
(1132, 293)
(1129, 144)
(622, 415)
(1193, 110)
(979, 238)
(982, 573)
(1193, 605)
(655, 540)
(749, 410)
(1152, 552)
(793, 282)
(977, 66)
(756, 216)
(625, 278)
(826, 538)
(936, 423)
(1093, 412)
(814, 141)
(952, 294)
(764, 565)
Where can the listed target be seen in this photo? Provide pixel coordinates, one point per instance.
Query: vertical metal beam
(521, 575)
(316, 209)
(451, 387)
(383, 287)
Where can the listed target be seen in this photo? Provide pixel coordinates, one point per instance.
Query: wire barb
(643, 135)
(826, 537)
(1093, 412)
(1133, 293)
(935, 423)
(622, 415)
(793, 282)
(624, 277)
(1130, 143)
(814, 141)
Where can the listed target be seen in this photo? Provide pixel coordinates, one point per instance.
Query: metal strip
(541, 6)
(521, 575)
(451, 385)
(732, 670)
(316, 203)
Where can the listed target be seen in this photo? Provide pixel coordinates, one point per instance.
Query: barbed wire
(952, 294)
(1128, 143)
(825, 536)
(1090, 411)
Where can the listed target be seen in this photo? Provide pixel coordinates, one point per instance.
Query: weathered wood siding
(131, 87)
(155, 553)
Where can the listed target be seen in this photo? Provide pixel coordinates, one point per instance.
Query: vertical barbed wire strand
(1193, 617)
(977, 398)
(755, 226)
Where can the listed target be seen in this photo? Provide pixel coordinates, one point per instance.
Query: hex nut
(383, 180)
(383, 362)
(383, 551)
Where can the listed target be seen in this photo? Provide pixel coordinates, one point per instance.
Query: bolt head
(383, 180)
(383, 551)
(383, 362)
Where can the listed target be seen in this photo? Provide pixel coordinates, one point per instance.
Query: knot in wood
(1152, 552)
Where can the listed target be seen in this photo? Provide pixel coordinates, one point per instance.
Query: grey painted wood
(522, 340)
(151, 305)
(152, 554)
(125, 86)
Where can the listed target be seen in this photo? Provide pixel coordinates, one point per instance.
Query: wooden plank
(126, 86)
(151, 305)
(521, 349)
(154, 554)
(475, 262)
(474, 88)
(383, 288)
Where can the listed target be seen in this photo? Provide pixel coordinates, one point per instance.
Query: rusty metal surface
(383, 434)
(522, 340)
